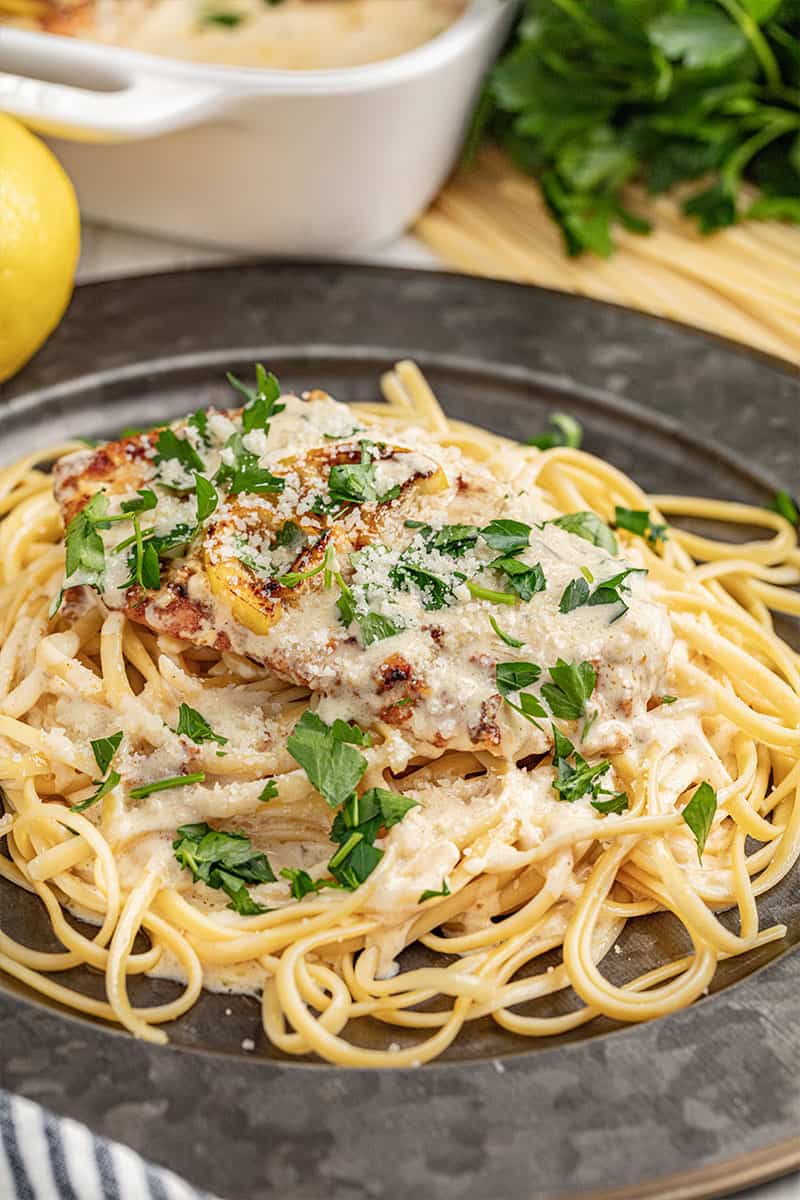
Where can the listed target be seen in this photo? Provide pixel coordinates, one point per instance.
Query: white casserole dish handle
(66, 92)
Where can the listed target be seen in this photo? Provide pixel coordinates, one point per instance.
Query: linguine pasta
(489, 855)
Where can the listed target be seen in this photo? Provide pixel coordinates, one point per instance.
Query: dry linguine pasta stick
(563, 886)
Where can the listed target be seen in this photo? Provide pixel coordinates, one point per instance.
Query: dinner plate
(694, 1104)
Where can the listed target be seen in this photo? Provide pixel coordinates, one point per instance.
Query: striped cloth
(45, 1157)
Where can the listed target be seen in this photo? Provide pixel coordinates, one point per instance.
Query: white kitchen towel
(45, 1157)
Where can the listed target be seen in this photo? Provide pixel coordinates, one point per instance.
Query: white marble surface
(107, 254)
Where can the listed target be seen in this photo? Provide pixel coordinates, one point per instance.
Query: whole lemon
(39, 244)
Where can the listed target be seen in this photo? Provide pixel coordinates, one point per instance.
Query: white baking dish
(286, 162)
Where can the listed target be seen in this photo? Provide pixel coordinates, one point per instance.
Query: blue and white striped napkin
(45, 1157)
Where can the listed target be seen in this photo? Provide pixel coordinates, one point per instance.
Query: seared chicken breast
(393, 577)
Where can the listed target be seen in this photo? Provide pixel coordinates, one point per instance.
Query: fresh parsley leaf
(505, 637)
(245, 474)
(85, 554)
(225, 861)
(207, 498)
(699, 815)
(301, 881)
(617, 803)
(640, 522)
(512, 677)
(107, 785)
(507, 537)
(163, 785)
(450, 539)
(199, 421)
(356, 483)
(147, 500)
(572, 685)
(522, 578)
(332, 764)
(588, 525)
(787, 506)
(104, 750)
(668, 699)
(354, 861)
(435, 592)
(226, 19)
(430, 894)
(373, 627)
(149, 573)
(564, 431)
(170, 446)
(269, 791)
(290, 536)
(197, 728)
(574, 595)
(574, 779)
(479, 592)
(609, 591)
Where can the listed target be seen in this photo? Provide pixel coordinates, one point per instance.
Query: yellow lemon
(39, 244)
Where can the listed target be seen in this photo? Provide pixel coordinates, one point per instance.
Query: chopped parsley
(163, 785)
(511, 677)
(261, 401)
(373, 627)
(785, 504)
(430, 894)
(269, 791)
(207, 498)
(571, 686)
(639, 522)
(169, 446)
(356, 483)
(245, 474)
(564, 431)
(301, 882)
(225, 861)
(608, 591)
(505, 637)
(290, 536)
(507, 537)
(197, 728)
(328, 755)
(522, 578)
(355, 828)
(668, 699)
(575, 779)
(104, 750)
(146, 501)
(223, 18)
(699, 815)
(85, 555)
(588, 526)
(107, 785)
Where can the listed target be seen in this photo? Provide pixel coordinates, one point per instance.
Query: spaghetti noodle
(480, 857)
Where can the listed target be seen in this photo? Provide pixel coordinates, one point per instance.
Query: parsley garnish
(207, 498)
(356, 483)
(572, 685)
(104, 750)
(522, 578)
(588, 525)
(507, 537)
(609, 591)
(787, 506)
(245, 474)
(261, 401)
(85, 555)
(146, 501)
(357, 825)
(574, 779)
(107, 785)
(699, 815)
(327, 755)
(512, 677)
(269, 791)
(170, 446)
(228, 20)
(617, 803)
(373, 627)
(223, 860)
(564, 431)
(163, 785)
(668, 699)
(639, 521)
(197, 728)
(290, 535)
(494, 597)
(302, 883)
(430, 894)
(505, 637)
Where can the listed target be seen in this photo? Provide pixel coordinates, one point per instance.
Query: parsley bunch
(596, 93)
